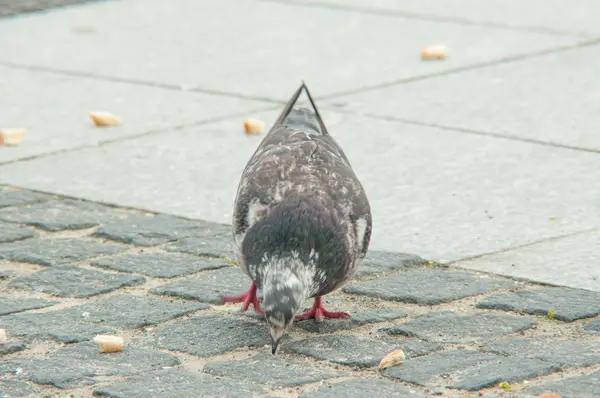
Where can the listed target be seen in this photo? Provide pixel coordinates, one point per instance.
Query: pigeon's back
(299, 160)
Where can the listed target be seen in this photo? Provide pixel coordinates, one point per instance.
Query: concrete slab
(232, 46)
(553, 98)
(567, 17)
(573, 258)
(55, 110)
(440, 194)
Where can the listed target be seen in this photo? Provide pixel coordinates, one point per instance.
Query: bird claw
(318, 312)
(246, 299)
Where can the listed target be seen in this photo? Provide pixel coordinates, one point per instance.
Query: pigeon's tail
(302, 118)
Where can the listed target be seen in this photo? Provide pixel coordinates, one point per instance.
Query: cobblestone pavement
(70, 270)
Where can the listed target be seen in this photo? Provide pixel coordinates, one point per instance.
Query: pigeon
(302, 221)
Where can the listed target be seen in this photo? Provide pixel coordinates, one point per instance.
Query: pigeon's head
(284, 291)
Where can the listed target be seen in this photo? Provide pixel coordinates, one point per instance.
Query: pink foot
(247, 298)
(319, 312)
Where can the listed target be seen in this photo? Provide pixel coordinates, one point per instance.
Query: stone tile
(593, 325)
(529, 96)
(11, 233)
(63, 326)
(152, 230)
(61, 124)
(347, 349)
(17, 388)
(56, 251)
(58, 215)
(17, 197)
(570, 260)
(569, 304)
(215, 246)
(455, 211)
(449, 327)
(355, 320)
(359, 388)
(377, 261)
(159, 265)
(10, 305)
(428, 286)
(210, 335)
(357, 53)
(282, 371)
(207, 286)
(554, 16)
(467, 370)
(586, 385)
(11, 348)
(80, 363)
(175, 383)
(559, 352)
(80, 323)
(72, 281)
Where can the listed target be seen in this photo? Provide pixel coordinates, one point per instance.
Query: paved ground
(485, 162)
(71, 269)
(487, 159)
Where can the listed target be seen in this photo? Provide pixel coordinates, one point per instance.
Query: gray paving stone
(175, 383)
(569, 261)
(355, 320)
(61, 124)
(377, 261)
(56, 251)
(10, 305)
(593, 325)
(359, 388)
(331, 65)
(569, 304)
(10, 348)
(152, 230)
(272, 370)
(207, 286)
(217, 246)
(17, 388)
(449, 327)
(467, 369)
(73, 281)
(428, 286)
(80, 323)
(159, 265)
(532, 117)
(58, 215)
(347, 349)
(584, 386)
(80, 363)
(17, 197)
(211, 335)
(448, 221)
(535, 15)
(11, 233)
(559, 352)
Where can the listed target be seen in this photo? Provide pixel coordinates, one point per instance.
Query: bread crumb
(104, 119)
(437, 51)
(394, 358)
(109, 343)
(253, 126)
(12, 136)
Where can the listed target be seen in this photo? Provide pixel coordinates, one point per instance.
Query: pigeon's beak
(276, 336)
